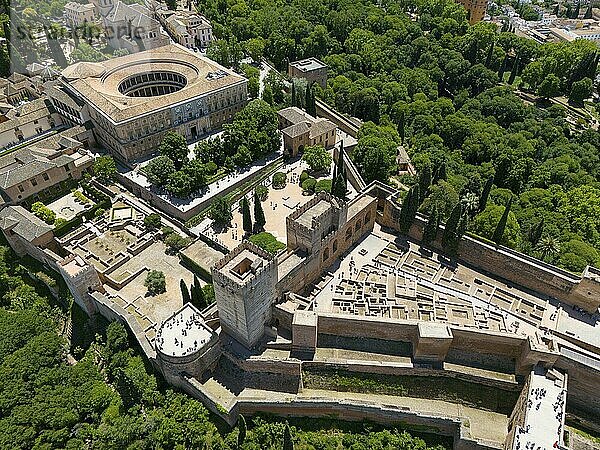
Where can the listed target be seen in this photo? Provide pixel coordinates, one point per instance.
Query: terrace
(123, 251)
(71, 205)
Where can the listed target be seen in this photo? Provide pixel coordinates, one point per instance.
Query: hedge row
(195, 268)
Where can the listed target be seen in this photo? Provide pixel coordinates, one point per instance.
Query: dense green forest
(424, 77)
(109, 398)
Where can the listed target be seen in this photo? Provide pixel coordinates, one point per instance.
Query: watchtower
(244, 283)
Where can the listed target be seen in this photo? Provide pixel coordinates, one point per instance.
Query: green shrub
(99, 212)
(304, 176)
(317, 158)
(220, 211)
(211, 168)
(59, 222)
(309, 185)
(152, 220)
(175, 242)
(166, 231)
(43, 212)
(155, 282)
(267, 242)
(262, 192)
(209, 293)
(80, 198)
(279, 180)
(323, 185)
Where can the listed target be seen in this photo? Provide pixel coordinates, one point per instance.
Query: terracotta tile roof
(98, 84)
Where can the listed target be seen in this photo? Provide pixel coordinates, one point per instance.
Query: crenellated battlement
(228, 271)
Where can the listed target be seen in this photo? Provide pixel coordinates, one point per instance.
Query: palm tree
(548, 246)
(470, 203)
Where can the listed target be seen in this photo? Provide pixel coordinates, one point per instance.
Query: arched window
(367, 218)
(335, 246)
(349, 233)
(357, 226)
(326, 254)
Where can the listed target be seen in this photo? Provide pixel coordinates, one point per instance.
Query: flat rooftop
(243, 266)
(314, 211)
(545, 413)
(358, 205)
(306, 65)
(434, 330)
(184, 333)
(305, 318)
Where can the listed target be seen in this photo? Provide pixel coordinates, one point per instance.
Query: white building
(188, 28)
(76, 14)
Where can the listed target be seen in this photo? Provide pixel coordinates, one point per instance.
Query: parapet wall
(358, 411)
(584, 379)
(112, 311)
(484, 349)
(359, 327)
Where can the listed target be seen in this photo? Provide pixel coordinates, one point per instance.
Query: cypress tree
(424, 182)
(409, 209)
(557, 9)
(450, 236)
(185, 294)
(198, 299)
(485, 193)
(309, 100)
(502, 68)
(588, 11)
(431, 227)
(288, 443)
(259, 214)
(577, 9)
(242, 429)
(294, 99)
(513, 72)
(441, 173)
(340, 161)
(499, 231)
(402, 127)
(201, 297)
(472, 52)
(535, 233)
(246, 219)
(403, 223)
(334, 175)
(488, 60)
(340, 180)
(463, 223)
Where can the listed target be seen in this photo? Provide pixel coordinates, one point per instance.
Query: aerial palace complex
(491, 347)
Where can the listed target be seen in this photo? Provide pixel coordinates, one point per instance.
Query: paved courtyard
(280, 204)
(156, 307)
(68, 206)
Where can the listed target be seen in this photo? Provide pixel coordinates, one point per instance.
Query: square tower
(318, 218)
(244, 283)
